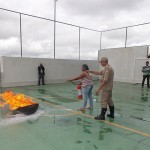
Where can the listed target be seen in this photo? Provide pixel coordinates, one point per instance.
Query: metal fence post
(126, 37)
(79, 41)
(54, 26)
(21, 34)
(101, 40)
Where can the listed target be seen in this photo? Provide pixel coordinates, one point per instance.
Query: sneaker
(100, 117)
(89, 108)
(81, 109)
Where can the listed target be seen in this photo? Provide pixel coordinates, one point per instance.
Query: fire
(14, 100)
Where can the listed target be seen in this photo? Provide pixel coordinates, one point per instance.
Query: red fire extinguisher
(79, 91)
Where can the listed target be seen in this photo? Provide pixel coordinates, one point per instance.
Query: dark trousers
(144, 77)
(41, 77)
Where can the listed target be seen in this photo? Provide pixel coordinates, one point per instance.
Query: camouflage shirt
(146, 70)
(108, 76)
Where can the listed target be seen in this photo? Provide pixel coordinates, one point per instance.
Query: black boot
(111, 115)
(102, 115)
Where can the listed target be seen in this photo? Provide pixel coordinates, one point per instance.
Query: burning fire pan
(27, 110)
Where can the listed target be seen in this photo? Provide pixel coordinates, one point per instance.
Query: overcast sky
(96, 14)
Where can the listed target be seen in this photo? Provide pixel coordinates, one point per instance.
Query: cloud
(99, 7)
(103, 14)
(10, 47)
(97, 14)
(42, 8)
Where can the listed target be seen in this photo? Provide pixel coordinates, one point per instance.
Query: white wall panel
(122, 60)
(23, 71)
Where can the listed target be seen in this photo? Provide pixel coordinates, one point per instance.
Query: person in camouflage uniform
(105, 88)
(146, 73)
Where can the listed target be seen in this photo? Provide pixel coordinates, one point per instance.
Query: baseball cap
(104, 59)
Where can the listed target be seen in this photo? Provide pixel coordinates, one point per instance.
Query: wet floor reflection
(144, 94)
(103, 132)
(88, 125)
(85, 124)
(42, 91)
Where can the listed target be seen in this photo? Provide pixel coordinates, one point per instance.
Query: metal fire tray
(27, 110)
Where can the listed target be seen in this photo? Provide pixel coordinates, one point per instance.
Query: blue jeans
(87, 94)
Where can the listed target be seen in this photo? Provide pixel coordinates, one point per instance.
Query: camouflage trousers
(106, 99)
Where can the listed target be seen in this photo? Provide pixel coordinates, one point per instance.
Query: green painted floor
(62, 127)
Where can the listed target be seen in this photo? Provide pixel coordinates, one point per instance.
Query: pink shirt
(87, 80)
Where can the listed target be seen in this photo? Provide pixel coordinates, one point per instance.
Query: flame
(14, 100)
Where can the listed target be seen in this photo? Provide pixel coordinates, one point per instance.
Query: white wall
(122, 60)
(23, 71)
(138, 75)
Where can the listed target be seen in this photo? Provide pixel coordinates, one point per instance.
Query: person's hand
(101, 72)
(97, 92)
(68, 80)
(87, 71)
(80, 83)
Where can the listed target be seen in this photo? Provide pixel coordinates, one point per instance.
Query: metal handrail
(25, 14)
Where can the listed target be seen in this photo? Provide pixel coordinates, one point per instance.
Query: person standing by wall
(87, 86)
(146, 73)
(105, 88)
(41, 74)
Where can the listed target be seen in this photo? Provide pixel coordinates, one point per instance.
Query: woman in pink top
(87, 86)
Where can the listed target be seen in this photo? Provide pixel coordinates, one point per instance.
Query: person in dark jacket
(41, 74)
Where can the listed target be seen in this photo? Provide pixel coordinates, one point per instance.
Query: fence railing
(82, 44)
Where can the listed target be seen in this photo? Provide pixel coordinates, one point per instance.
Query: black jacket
(41, 70)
